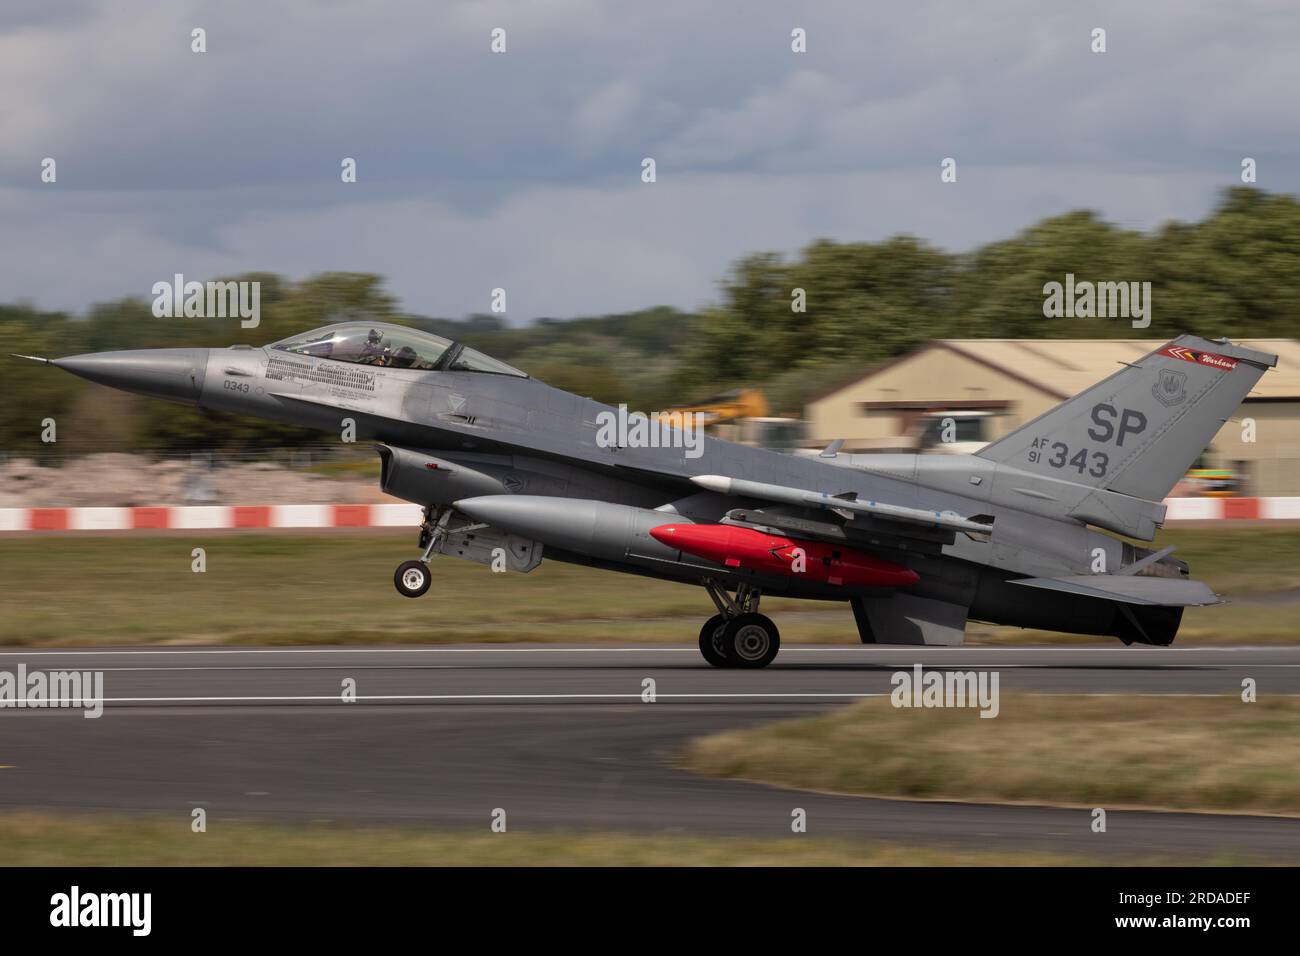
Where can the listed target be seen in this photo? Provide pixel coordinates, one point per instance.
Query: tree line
(788, 325)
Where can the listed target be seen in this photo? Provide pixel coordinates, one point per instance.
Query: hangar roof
(1065, 367)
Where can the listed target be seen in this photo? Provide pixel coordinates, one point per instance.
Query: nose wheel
(412, 578)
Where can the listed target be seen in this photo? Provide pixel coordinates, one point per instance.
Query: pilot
(374, 352)
(404, 357)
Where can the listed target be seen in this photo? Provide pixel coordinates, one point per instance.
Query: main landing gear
(412, 578)
(738, 636)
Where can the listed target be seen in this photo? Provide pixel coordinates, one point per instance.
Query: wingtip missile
(719, 483)
(847, 504)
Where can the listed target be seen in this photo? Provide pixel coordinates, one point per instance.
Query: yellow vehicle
(727, 407)
(742, 415)
(1213, 482)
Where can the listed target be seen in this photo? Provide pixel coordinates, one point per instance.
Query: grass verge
(266, 588)
(31, 839)
(1186, 753)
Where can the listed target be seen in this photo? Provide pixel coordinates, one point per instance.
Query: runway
(560, 737)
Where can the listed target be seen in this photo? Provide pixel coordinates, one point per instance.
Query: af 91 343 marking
(1106, 429)
(1061, 457)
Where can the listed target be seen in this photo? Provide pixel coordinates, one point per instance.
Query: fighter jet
(509, 470)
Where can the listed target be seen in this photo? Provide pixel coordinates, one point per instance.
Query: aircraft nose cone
(175, 374)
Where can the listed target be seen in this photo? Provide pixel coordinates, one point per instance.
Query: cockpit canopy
(392, 346)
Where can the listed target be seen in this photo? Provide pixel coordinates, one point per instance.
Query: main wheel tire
(412, 578)
(712, 644)
(751, 640)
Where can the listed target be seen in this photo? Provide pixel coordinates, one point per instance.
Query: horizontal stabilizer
(1131, 589)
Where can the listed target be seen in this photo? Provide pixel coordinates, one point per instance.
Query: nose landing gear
(412, 578)
(738, 636)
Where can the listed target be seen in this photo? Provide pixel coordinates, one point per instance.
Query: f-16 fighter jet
(509, 470)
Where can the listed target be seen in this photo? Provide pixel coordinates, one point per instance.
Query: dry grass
(47, 840)
(1185, 753)
(266, 588)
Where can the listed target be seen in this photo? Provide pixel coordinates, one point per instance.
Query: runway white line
(940, 665)
(830, 649)
(412, 667)
(276, 668)
(37, 652)
(42, 704)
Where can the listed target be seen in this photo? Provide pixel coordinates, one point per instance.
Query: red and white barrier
(1243, 509)
(209, 517)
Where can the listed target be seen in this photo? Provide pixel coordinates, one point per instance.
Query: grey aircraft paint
(511, 470)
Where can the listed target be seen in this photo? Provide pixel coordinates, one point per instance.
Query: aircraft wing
(1131, 589)
(846, 505)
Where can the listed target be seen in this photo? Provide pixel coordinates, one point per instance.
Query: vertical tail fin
(1138, 431)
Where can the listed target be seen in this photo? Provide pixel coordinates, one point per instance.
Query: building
(989, 387)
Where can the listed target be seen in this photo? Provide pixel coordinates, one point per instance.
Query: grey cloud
(523, 170)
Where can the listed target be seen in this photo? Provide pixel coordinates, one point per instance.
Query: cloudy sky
(523, 170)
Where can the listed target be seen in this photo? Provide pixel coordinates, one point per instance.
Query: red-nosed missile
(773, 554)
